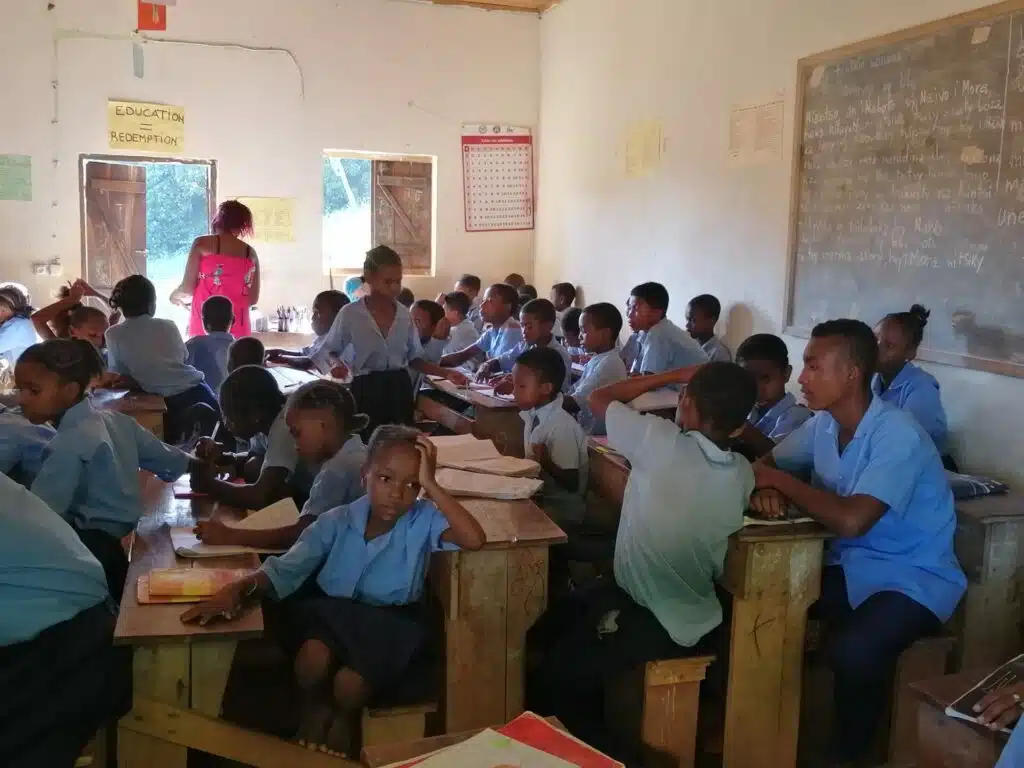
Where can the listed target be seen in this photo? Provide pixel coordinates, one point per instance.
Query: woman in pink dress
(222, 264)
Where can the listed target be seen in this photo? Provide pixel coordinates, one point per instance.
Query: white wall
(697, 225)
(380, 75)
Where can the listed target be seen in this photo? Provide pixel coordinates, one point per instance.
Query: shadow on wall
(740, 322)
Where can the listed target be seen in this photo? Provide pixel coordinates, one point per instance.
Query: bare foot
(315, 724)
(341, 735)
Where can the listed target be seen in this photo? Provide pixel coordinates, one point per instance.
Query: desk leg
(773, 583)
(211, 665)
(161, 673)
(527, 599)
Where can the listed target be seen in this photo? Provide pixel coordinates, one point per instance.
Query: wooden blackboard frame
(803, 68)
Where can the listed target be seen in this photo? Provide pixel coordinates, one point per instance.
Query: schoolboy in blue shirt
(209, 354)
(428, 318)
(900, 382)
(685, 496)
(22, 446)
(326, 307)
(601, 325)
(16, 330)
(776, 412)
(462, 332)
(150, 352)
(537, 320)
(563, 296)
(471, 285)
(65, 679)
(551, 436)
(498, 309)
(662, 345)
(91, 473)
(877, 482)
(702, 315)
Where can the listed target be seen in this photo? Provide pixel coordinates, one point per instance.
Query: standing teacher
(222, 264)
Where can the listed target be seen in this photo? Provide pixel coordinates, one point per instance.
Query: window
(371, 200)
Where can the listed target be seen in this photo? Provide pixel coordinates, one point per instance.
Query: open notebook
(476, 484)
(467, 453)
(277, 515)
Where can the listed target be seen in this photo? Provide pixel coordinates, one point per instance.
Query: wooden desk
(289, 341)
(290, 379)
(774, 575)
(146, 409)
(493, 419)
(945, 742)
(181, 671)
(990, 547)
(489, 599)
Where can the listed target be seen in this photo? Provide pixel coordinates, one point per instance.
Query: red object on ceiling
(152, 17)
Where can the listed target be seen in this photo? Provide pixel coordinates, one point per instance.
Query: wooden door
(402, 206)
(115, 222)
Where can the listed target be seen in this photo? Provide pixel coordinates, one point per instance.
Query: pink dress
(228, 276)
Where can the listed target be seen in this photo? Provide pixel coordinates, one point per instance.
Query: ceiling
(520, 6)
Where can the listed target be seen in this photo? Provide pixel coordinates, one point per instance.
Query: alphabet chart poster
(497, 167)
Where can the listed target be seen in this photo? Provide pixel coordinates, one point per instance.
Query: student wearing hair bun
(385, 343)
(90, 475)
(16, 330)
(900, 382)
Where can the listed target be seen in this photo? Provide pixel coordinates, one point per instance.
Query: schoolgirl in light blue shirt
(16, 330)
(22, 446)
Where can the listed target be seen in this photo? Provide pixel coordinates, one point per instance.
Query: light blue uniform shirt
(22, 446)
(340, 479)
(630, 351)
(462, 336)
(91, 473)
(151, 351)
(917, 392)
(508, 359)
(16, 335)
(497, 341)
(666, 347)
(387, 570)
(476, 317)
(433, 351)
(562, 436)
(781, 419)
(716, 350)
(600, 371)
(1013, 752)
(354, 326)
(47, 575)
(278, 449)
(209, 355)
(684, 497)
(890, 458)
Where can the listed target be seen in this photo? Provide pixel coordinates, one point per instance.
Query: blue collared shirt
(22, 446)
(387, 570)
(630, 351)
(91, 473)
(462, 336)
(497, 341)
(209, 355)
(508, 359)
(890, 458)
(354, 326)
(666, 347)
(433, 351)
(562, 436)
(600, 371)
(47, 575)
(16, 335)
(476, 317)
(278, 449)
(1013, 752)
(916, 391)
(340, 479)
(151, 351)
(781, 419)
(716, 350)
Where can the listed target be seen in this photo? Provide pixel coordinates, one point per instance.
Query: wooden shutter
(115, 222)
(402, 206)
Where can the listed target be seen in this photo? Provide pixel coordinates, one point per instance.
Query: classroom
(511, 382)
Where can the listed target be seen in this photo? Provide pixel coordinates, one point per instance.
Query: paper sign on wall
(643, 147)
(273, 218)
(152, 17)
(755, 133)
(134, 125)
(16, 178)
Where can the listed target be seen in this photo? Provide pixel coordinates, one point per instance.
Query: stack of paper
(469, 454)
(478, 485)
(278, 515)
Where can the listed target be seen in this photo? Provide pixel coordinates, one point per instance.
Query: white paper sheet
(278, 515)
(478, 485)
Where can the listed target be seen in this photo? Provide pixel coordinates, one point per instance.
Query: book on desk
(1010, 673)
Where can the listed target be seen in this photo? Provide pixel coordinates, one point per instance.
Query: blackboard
(909, 186)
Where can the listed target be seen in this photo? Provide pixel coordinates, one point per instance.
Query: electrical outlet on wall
(39, 267)
(54, 268)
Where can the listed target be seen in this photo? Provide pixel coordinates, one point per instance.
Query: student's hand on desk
(765, 476)
(213, 532)
(486, 370)
(208, 450)
(339, 371)
(503, 385)
(539, 452)
(1001, 708)
(275, 356)
(225, 604)
(768, 503)
(458, 378)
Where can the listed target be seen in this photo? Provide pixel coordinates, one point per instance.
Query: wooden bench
(896, 742)
(945, 742)
(654, 707)
(394, 725)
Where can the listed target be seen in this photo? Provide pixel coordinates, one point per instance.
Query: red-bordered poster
(497, 169)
